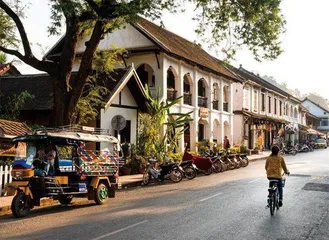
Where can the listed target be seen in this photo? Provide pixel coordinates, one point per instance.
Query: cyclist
(274, 166)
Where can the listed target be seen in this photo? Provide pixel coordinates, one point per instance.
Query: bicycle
(273, 195)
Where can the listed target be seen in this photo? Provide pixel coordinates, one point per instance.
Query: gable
(314, 109)
(127, 37)
(125, 98)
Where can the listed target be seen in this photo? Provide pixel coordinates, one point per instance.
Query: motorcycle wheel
(224, 167)
(232, 166)
(238, 164)
(176, 176)
(207, 172)
(217, 167)
(146, 178)
(293, 152)
(190, 172)
(245, 162)
(20, 205)
(311, 149)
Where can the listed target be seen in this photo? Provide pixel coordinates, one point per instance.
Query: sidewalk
(127, 181)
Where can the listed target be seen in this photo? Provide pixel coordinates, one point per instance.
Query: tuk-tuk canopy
(65, 135)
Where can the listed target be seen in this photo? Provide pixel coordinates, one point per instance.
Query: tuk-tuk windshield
(25, 151)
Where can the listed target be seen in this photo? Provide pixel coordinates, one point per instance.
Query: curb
(131, 185)
(258, 159)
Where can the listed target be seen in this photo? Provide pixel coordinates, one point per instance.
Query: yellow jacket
(274, 166)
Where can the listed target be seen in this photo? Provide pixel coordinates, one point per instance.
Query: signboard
(88, 129)
(203, 112)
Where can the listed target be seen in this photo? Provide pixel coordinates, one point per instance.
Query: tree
(252, 23)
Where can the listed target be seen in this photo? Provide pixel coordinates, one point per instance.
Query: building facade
(166, 61)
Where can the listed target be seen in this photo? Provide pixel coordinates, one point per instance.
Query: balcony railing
(188, 99)
(215, 105)
(171, 94)
(202, 102)
(225, 106)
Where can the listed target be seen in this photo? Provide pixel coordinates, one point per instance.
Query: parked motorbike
(189, 170)
(202, 164)
(171, 171)
(228, 160)
(288, 150)
(311, 146)
(243, 159)
(302, 148)
(217, 165)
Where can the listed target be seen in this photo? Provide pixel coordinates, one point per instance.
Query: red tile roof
(13, 128)
(180, 47)
(9, 69)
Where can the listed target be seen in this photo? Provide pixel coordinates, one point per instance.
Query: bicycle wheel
(272, 204)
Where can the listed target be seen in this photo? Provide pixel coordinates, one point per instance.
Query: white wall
(129, 114)
(315, 110)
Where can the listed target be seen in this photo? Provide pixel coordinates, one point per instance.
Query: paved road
(229, 205)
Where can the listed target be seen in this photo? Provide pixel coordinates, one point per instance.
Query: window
(246, 98)
(255, 101)
(263, 102)
(280, 106)
(275, 106)
(269, 104)
(325, 122)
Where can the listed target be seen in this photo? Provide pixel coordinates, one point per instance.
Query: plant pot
(126, 171)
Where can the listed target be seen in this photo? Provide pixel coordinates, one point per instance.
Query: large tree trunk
(85, 69)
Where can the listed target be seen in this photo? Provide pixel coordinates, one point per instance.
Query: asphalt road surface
(229, 205)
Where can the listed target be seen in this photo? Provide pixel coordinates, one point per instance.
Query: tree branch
(12, 52)
(20, 27)
(94, 6)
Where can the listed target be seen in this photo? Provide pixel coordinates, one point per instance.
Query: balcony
(188, 99)
(225, 106)
(202, 102)
(171, 94)
(215, 105)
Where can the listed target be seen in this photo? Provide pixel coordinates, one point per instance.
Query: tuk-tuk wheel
(20, 206)
(101, 194)
(65, 199)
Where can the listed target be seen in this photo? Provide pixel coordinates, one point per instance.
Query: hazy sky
(303, 64)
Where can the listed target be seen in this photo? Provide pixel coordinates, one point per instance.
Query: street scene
(229, 205)
(164, 119)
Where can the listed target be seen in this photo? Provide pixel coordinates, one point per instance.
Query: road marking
(254, 180)
(202, 200)
(120, 230)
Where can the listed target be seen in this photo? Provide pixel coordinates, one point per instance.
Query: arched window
(202, 93)
(225, 98)
(171, 92)
(187, 88)
(146, 75)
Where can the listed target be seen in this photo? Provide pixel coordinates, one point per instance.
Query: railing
(215, 105)
(171, 94)
(202, 102)
(188, 99)
(225, 107)
(5, 177)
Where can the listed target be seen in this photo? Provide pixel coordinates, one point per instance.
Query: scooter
(170, 171)
(189, 170)
(302, 148)
(202, 164)
(288, 150)
(228, 160)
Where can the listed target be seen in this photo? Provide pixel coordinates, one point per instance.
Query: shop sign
(203, 112)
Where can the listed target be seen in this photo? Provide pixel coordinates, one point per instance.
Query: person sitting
(50, 156)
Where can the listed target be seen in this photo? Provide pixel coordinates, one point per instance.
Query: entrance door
(187, 136)
(201, 133)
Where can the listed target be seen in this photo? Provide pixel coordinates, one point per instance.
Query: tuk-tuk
(74, 171)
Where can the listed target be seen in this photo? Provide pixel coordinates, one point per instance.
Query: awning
(314, 132)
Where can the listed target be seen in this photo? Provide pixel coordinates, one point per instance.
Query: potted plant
(125, 150)
(126, 169)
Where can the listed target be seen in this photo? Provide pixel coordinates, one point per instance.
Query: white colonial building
(262, 111)
(178, 67)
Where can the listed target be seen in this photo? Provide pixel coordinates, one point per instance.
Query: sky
(303, 64)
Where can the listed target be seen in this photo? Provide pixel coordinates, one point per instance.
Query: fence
(5, 177)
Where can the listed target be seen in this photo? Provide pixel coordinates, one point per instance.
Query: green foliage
(3, 58)
(92, 98)
(156, 136)
(203, 149)
(175, 157)
(243, 149)
(14, 104)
